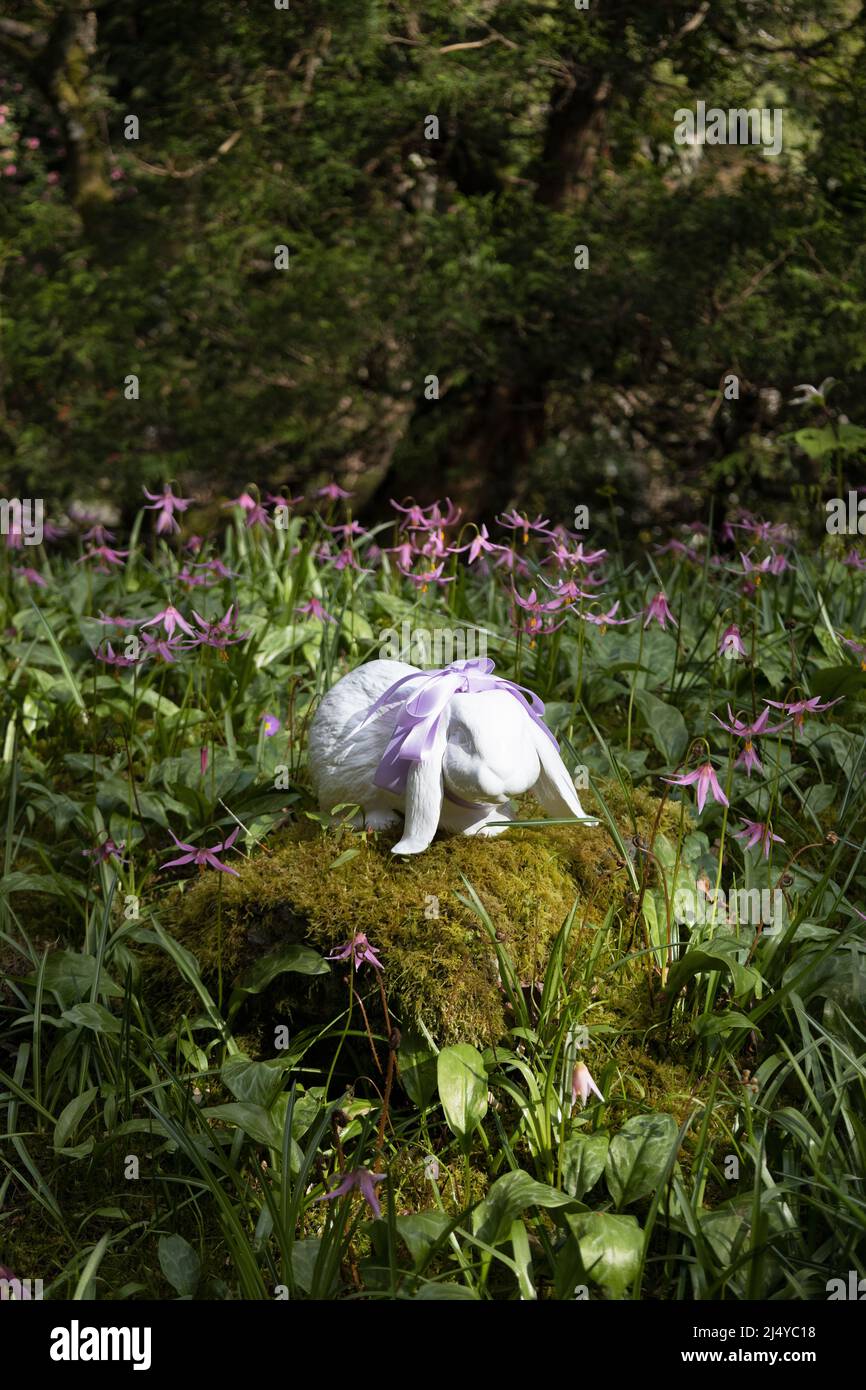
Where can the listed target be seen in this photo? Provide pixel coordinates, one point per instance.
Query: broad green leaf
(462, 1081)
(257, 1082)
(93, 1016)
(421, 1230)
(71, 974)
(417, 1063)
(666, 726)
(509, 1196)
(721, 953)
(638, 1156)
(180, 1264)
(583, 1159)
(610, 1248)
(301, 960)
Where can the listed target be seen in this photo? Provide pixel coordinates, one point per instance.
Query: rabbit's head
(486, 750)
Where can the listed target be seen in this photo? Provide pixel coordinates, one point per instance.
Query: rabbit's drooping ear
(554, 791)
(424, 793)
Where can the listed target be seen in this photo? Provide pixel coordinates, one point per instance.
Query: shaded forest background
(410, 258)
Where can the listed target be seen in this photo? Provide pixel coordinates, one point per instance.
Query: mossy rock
(320, 887)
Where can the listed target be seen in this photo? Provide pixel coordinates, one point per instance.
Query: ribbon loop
(418, 719)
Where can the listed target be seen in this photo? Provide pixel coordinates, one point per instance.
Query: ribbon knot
(419, 717)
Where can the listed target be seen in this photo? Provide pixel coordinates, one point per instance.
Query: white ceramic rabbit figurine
(444, 748)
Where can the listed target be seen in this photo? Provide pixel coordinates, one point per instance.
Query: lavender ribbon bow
(418, 720)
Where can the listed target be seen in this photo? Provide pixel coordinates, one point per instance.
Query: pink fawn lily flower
(449, 517)
(313, 609)
(100, 854)
(107, 655)
(105, 555)
(362, 1180)
(30, 576)
(171, 620)
(800, 708)
(567, 590)
(704, 777)
(423, 580)
(748, 758)
(205, 858)
(347, 530)
(587, 557)
(658, 609)
(534, 624)
(510, 560)
(255, 512)
(272, 725)
(731, 643)
(116, 622)
(333, 492)
(582, 1085)
(480, 545)
(99, 534)
(416, 516)
(277, 500)
(405, 553)
(348, 560)
(758, 727)
(757, 832)
(216, 567)
(605, 620)
(856, 647)
(515, 521)
(220, 634)
(166, 503)
(359, 950)
(160, 648)
(189, 580)
(244, 501)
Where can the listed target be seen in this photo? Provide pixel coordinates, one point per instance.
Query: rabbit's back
(343, 758)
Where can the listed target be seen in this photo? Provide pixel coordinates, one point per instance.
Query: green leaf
(257, 1082)
(417, 1064)
(421, 1230)
(180, 1264)
(508, 1197)
(721, 953)
(583, 1159)
(261, 1125)
(462, 1082)
(254, 1120)
(610, 1249)
(344, 858)
(666, 726)
(93, 1016)
(71, 974)
(712, 1025)
(20, 882)
(300, 960)
(638, 1156)
(71, 1115)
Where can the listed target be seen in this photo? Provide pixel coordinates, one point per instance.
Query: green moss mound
(318, 888)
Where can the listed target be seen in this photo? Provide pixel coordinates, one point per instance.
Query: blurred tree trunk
(59, 63)
(507, 428)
